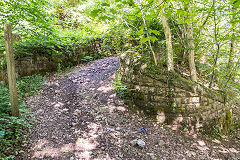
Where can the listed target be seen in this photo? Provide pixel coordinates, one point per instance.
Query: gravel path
(78, 116)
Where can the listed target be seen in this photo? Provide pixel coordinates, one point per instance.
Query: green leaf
(146, 32)
(153, 38)
(113, 11)
(105, 4)
(140, 32)
(155, 32)
(105, 18)
(144, 39)
(236, 4)
(188, 21)
(119, 5)
(129, 2)
(95, 12)
(141, 27)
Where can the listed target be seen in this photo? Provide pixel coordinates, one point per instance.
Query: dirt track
(79, 116)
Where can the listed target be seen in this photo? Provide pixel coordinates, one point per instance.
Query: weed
(28, 85)
(119, 87)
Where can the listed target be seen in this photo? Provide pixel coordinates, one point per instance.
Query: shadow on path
(79, 116)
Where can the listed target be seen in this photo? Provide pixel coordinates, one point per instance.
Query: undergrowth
(120, 88)
(11, 128)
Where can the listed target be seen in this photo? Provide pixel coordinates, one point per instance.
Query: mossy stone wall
(178, 100)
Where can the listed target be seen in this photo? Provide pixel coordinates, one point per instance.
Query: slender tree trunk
(149, 42)
(168, 36)
(231, 55)
(184, 44)
(191, 53)
(191, 47)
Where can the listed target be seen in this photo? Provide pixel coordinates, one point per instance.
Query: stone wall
(29, 65)
(173, 99)
(40, 64)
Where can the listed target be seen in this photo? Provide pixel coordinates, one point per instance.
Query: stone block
(179, 90)
(137, 87)
(214, 106)
(159, 99)
(203, 99)
(220, 106)
(159, 84)
(210, 101)
(161, 90)
(205, 108)
(190, 99)
(219, 98)
(179, 94)
(146, 79)
(162, 104)
(191, 94)
(193, 107)
(194, 100)
(204, 103)
(152, 89)
(185, 100)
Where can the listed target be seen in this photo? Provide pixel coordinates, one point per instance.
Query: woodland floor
(78, 116)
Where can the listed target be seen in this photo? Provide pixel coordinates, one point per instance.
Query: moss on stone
(226, 122)
(172, 85)
(152, 110)
(139, 96)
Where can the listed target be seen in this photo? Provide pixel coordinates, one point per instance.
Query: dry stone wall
(174, 99)
(30, 65)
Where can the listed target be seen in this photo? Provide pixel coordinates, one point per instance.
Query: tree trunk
(191, 53)
(168, 36)
(191, 47)
(11, 70)
(149, 42)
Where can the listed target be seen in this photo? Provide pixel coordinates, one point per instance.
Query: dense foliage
(197, 39)
(211, 26)
(57, 29)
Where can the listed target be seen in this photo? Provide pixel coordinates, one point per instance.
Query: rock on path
(79, 116)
